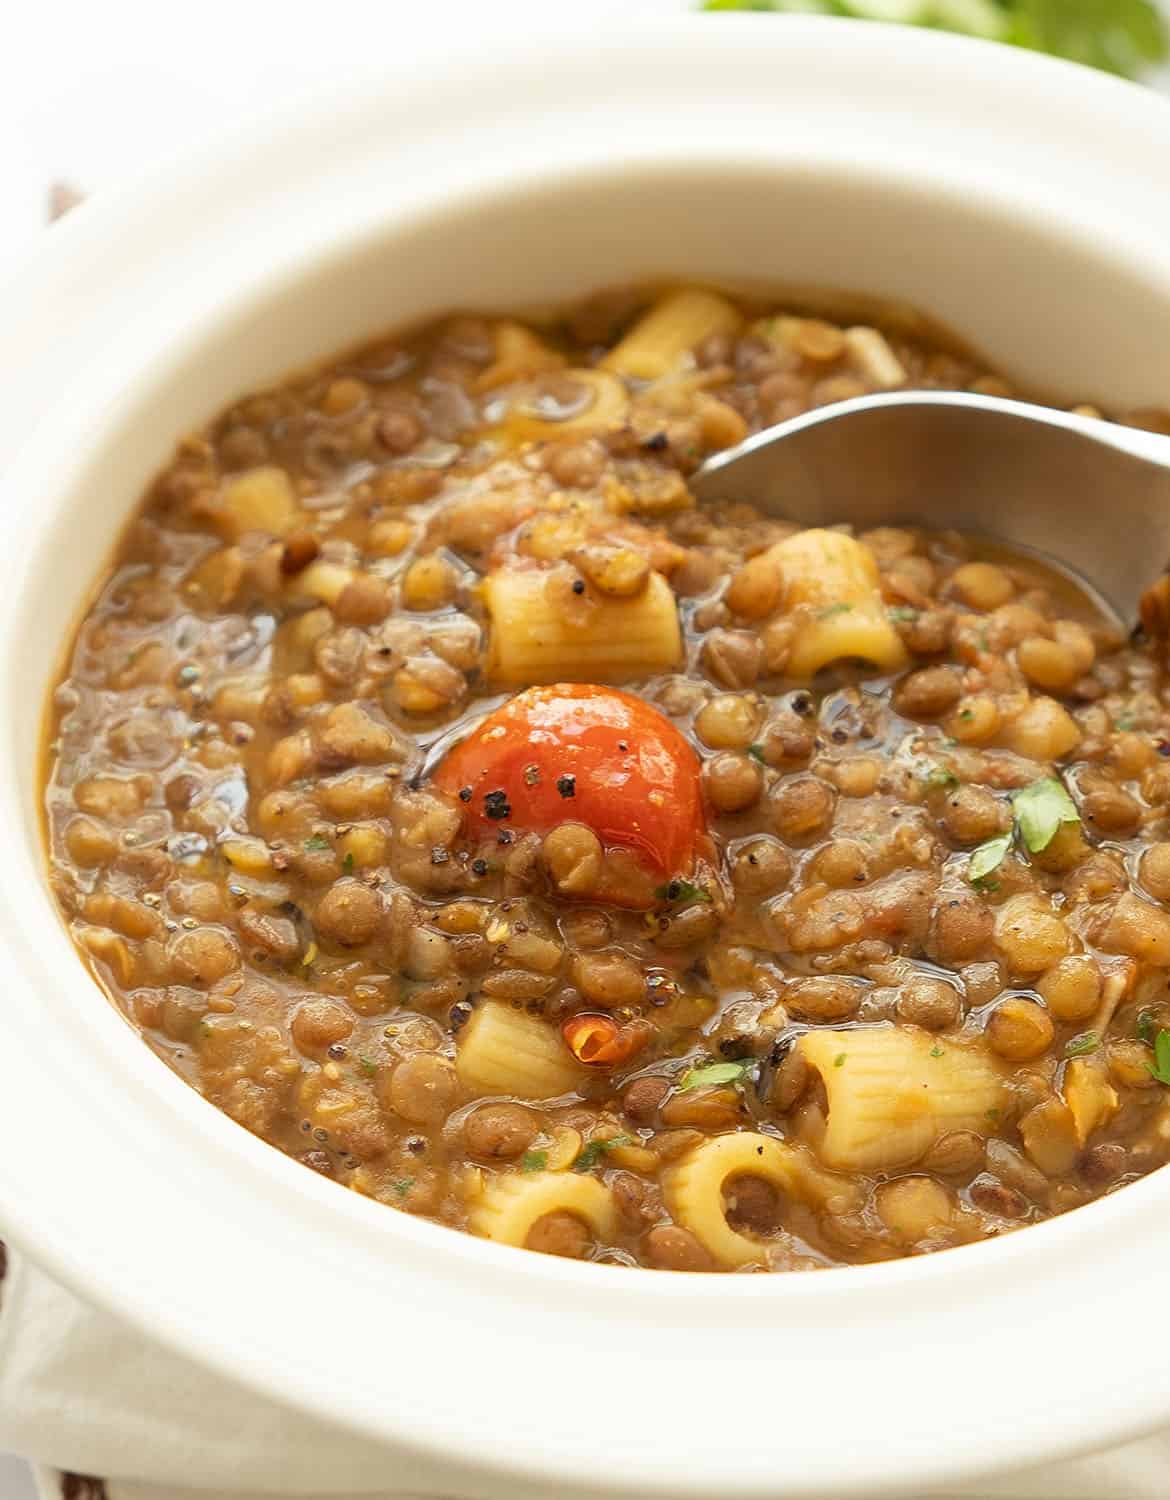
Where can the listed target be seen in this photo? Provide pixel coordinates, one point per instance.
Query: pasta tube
(694, 1189)
(506, 1051)
(257, 500)
(520, 354)
(893, 1091)
(830, 587)
(508, 1206)
(1091, 1098)
(533, 640)
(675, 325)
(604, 405)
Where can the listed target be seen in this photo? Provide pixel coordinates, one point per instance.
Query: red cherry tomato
(579, 753)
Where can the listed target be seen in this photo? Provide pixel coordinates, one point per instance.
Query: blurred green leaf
(1120, 36)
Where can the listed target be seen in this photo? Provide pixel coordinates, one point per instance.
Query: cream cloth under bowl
(80, 1392)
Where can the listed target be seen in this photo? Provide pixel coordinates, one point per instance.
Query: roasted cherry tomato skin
(576, 752)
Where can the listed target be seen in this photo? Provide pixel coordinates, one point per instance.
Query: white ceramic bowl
(1019, 200)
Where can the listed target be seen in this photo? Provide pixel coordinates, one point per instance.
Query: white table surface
(90, 94)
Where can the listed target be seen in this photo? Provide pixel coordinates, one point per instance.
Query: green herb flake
(593, 1151)
(315, 843)
(936, 1050)
(992, 1115)
(841, 608)
(682, 893)
(1119, 36)
(1147, 1027)
(940, 778)
(1041, 810)
(347, 864)
(534, 1161)
(966, 714)
(902, 614)
(839, 1060)
(987, 859)
(403, 1186)
(757, 753)
(1081, 1046)
(1160, 1067)
(367, 1065)
(716, 1073)
(1125, 723)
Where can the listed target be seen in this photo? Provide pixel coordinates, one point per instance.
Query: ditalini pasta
(672, 329)
(506, 1051)
(892, 1092)
(830, 584)
(588, 402)
(456, 801)
(510, 1205)
(696, 1188)
(258, 500)
(535, 637)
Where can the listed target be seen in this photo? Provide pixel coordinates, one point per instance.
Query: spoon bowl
(1088, 494)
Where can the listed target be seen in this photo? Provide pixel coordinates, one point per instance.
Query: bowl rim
(106, 1261)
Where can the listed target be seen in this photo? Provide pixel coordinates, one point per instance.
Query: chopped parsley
(367, 1065)
(987, 859)
(347, 864)
(534, 1161)
(316, 843)
(839, 1060)
(941, 777)
(592, 1152)
(936, 1050)
(1081, 1046)
(1147, 1028)
(712, 1074)
(1041, 810)
(903, 614)
(830, 610)
(681, 893)
(757, 753)
(1160, 1067)
(403, 1186)
(1125, 723)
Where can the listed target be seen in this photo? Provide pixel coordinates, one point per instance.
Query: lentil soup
(463, 810)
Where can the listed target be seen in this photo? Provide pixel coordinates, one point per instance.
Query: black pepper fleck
(505, 836)
(465, 794)
(656, 442)
(336, 1051)
(578, 585)
(479, 866)
(495, 805)
(459, 1015)
(567, 786)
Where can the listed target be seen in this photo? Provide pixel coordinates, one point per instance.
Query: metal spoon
(1086, 493)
